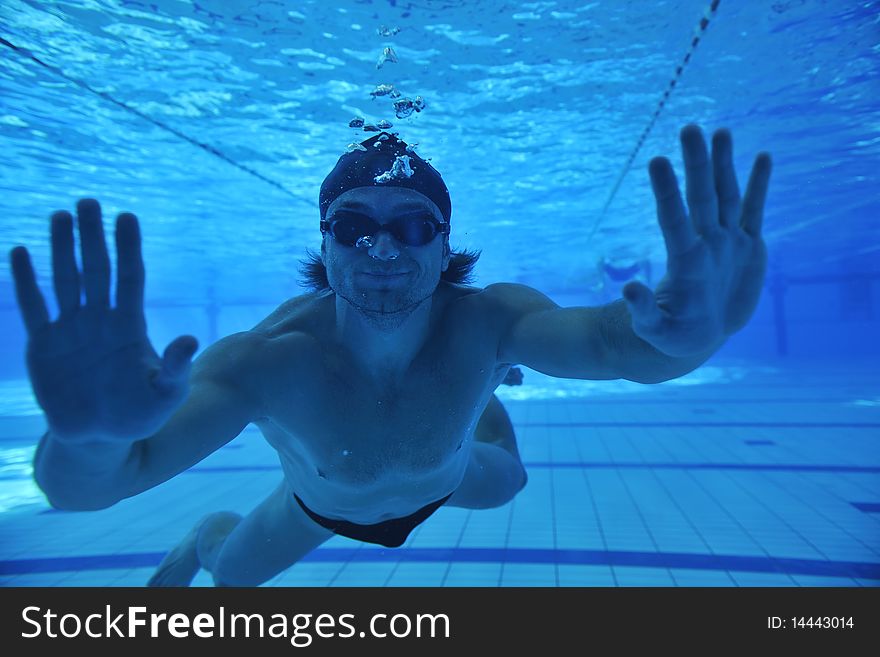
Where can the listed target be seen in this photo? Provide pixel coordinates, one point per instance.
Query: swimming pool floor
(769, 481)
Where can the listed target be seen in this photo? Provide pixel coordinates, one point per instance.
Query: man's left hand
(716, 257)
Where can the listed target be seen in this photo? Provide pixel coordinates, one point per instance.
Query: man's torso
(364, 447)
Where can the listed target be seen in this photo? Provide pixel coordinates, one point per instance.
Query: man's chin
(386, 303)
(373, 306)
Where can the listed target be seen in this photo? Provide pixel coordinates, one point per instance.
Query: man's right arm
(223, 398)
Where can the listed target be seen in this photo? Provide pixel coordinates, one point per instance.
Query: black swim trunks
(390, 533)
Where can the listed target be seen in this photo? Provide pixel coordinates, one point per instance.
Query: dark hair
(460, 270)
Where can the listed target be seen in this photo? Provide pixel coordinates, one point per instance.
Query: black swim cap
(385, 162)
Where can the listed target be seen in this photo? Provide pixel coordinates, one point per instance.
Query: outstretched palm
(715, 254)
(93, 369)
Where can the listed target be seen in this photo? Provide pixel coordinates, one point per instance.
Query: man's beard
(384, 310)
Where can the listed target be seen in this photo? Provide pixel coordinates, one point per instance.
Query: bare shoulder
(511, 301)
(497, 310)
(516, 293)
(303, 310)
(249, 358)
(231, 356)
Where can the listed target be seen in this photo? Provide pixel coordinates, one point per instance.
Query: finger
(30, 299)
(130, 264)
(64, 273)
(646, 316)
(678, 233)
(95, 261)
(702, 203)
(756, 195)
(176, 363)
(726, 186)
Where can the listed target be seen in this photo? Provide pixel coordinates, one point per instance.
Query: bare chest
(352, 427)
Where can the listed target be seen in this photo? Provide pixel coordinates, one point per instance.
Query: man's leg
(244, 551)
(495, 473)
(496, 428)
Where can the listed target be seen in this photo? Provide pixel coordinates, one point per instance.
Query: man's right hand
(93, 370)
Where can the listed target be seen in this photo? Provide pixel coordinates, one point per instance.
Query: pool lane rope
(708, 15)
(177, 133)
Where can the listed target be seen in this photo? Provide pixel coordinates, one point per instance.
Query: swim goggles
(356, 229)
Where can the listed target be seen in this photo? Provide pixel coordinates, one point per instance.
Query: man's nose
(384, 247)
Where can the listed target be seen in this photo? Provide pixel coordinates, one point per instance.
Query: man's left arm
(582, 343)
(716, 261)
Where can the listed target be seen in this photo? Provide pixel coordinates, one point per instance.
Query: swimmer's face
(389, 276)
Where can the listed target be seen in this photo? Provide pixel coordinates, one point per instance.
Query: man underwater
(377, 389)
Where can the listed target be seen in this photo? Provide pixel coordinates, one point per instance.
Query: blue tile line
(782, 467)
(799, 504)
(646, 527)
(867, 507)
(864, 570)
(593, 465)
(669, 424)
(536, 465)
(578, 445)
(637, 446)
(343, 563)
(553, 516)
(763, 425)
(720, 498)
(747, 489)
(461, 532)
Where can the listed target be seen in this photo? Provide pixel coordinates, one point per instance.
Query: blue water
(217, 126)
